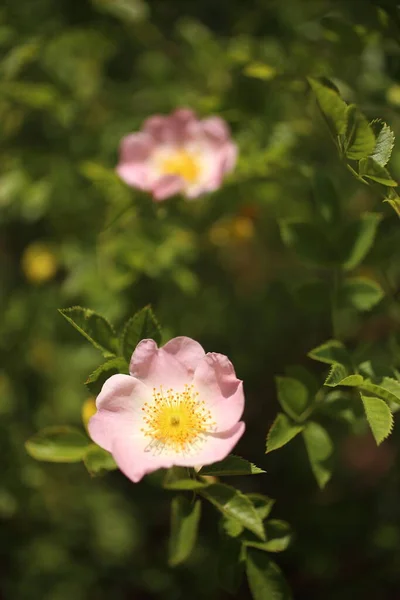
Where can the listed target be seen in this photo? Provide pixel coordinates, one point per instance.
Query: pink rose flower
(178, 153)
(179, 406)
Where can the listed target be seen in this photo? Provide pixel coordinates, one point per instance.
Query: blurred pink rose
(179, 406)
(177, 154)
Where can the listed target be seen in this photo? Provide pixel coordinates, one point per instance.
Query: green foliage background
(77, 76)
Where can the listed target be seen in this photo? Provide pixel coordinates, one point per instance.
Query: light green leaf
(384, 390)
(309, 243)
(113, 366)
(359, 139)
(293, 396)
(93, 327)
(282, 431)
(99, 461)
(370, 169)
(236, 505)
(361, 293)
(338, 375)
(58, 444)
(143, 325)
(185, 517)
(278, 534)
(231, 465)
(331, 105)
(394, 201)
(319, 449)
(384, 142)
(177, 478)
(357, 239)
(330, 352)
(379, 417)
(266, 581)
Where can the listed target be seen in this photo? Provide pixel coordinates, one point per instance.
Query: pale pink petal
(123, 394)
(135, 175)
(216, 128)
(155, 367)
(186, 351)
(230, 152)
(213, 448)
(106, 426)
(170, 129)
(216, 382)
(166, 186)
(136, 147)
(135, 457)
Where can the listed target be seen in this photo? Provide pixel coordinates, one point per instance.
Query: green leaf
(384, 142)
(266, 581)
(98, 461)
(360, 293)
(331, 105)
(230, 560)
(307, 241)
(97, 379)
(385, 390)
(326, 199)
(394, 200)
(282, 431)
(357, 240)
(236, 505)
(319, 449)
(379, 417)
(330, 352)
(185, 517)
(338, 375)
(93, 327)
(262, 504)
(359, 139)
(58, 444)
(231, 465)
(293, 396)
(370, 169)
(177, 478)
(143, 325)
(278, 534)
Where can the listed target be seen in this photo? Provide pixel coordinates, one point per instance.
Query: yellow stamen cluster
(181, 163)
(176, 421)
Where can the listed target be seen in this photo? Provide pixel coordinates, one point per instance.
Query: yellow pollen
(181, 163)
(176, 421)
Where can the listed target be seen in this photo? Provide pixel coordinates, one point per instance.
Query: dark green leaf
(185, 517)
(357, 240)
(230, 560)
(142, 325)
(231, 465)
(319, 449)
(293, 396)
(330, 352)
(331, 105)
(282, 431)
(266, 581)
(99, 461)
(379, 417)
(360, 139)
(360, 293)
(97, 379)
(93, 327)
(235, 505)
(278, 534)
(58, 444)
(262, 504)
(370, 169)
(326, 199)
(307, 241)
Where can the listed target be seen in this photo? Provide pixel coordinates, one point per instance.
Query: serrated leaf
(379, 417)
(330, 352)
(305, 239)
(58, 444)
(359, 138)
(357, 240)
(96, 380)
(331, 105)
(282, 431)
(266, 581)
(95, 328)
(338, 375)
(293, 397)
(177, 478)
(98, 461)
(360, 293)
(185, 517)
(383, 390)
(236, 505)
(143, 325)
(278, 534)
(394, 202)
(262, 504)
(231, 465)
(384, 142)
(370, 169)
(319, 449)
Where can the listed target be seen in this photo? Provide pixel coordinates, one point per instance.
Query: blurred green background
(75, 76)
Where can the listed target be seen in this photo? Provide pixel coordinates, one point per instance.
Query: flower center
(182, 163)
(175, 420)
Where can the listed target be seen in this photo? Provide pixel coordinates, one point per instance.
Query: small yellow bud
(38, 263)
(88, 410)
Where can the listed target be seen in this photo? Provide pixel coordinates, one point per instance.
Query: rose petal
(216, 129)
(136, 147)
(123, 394)
(186, 351)
(166, 186)
(216, 382)
(155, 367)
(135, 457)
